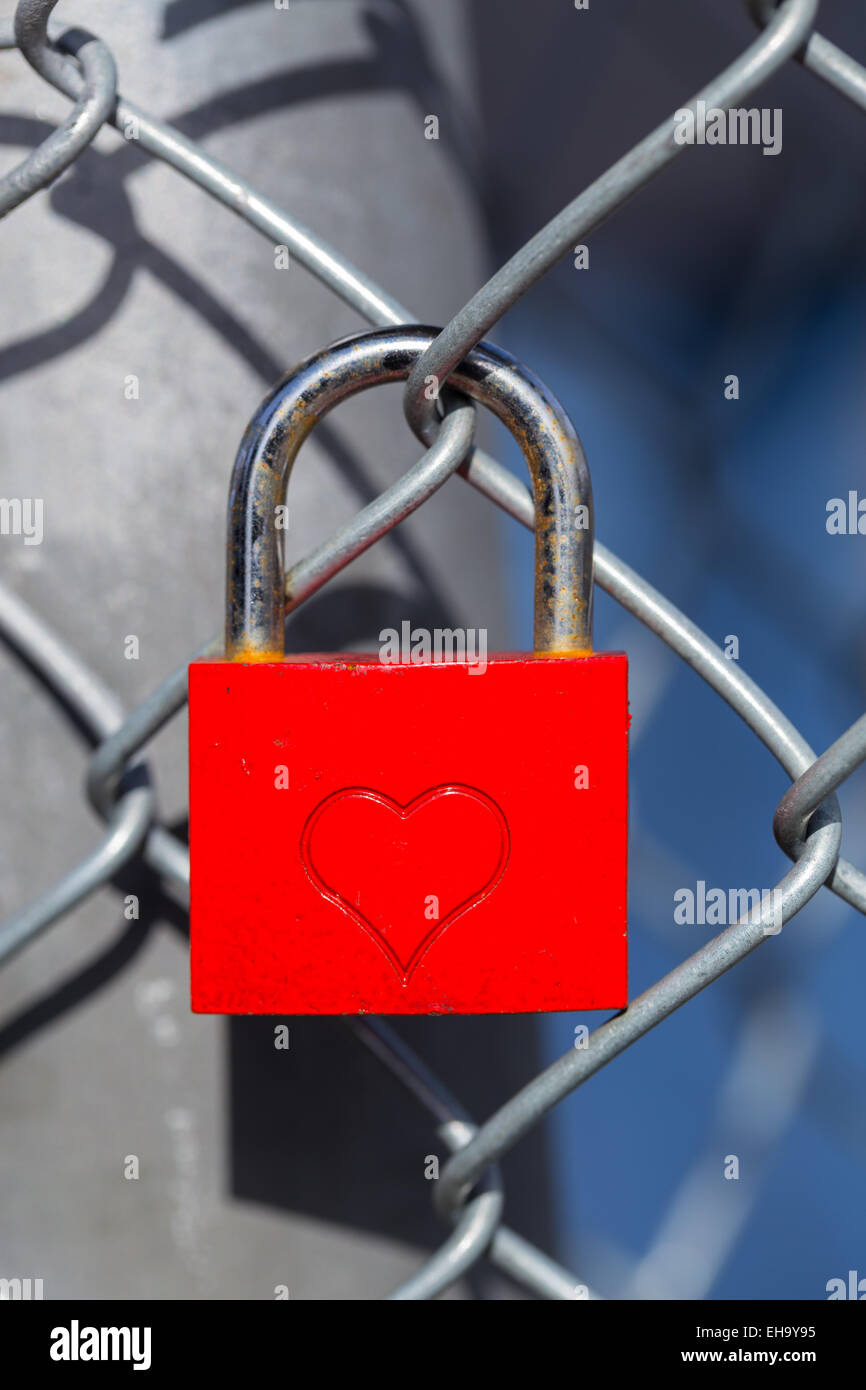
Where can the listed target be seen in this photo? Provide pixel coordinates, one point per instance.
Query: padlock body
(437, 837)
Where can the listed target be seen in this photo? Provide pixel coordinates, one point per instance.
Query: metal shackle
(560, 481)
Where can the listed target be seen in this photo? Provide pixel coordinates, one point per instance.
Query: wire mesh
(807, 822)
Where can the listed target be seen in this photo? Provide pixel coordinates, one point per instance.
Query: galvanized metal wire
(807, 821)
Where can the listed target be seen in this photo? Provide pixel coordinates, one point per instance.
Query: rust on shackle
(560, 480)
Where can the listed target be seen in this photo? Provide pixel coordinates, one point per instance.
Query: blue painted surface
(722, 506)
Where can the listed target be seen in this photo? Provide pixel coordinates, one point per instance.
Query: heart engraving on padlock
(405, 872)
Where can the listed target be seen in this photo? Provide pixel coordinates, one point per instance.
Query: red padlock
(412, 837)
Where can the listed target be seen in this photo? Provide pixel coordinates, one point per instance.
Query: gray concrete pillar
(142, 325)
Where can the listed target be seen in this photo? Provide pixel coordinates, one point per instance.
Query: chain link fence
(807, 822)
